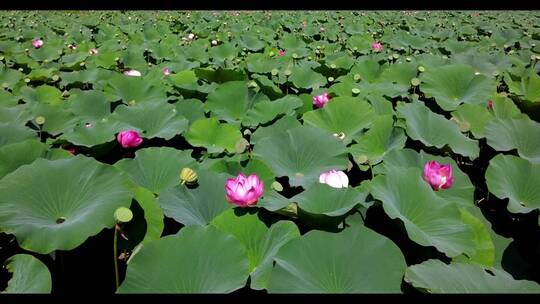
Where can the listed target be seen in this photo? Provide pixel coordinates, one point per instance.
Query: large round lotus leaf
(454, 84)
(473, 117)
(128, 89)
(157, 169)
(462, 190)
(281, 125)
(517, 179)
(57, 118)
(428, 219)
(342, 114)
(10, 133)
(14, 155)
(196, 260)
(9, 77)
(213, 135)
(197, 206)
(304, 77)
(223, 51)
(356, 260)
(265, 111)
(435, 130)
(505, 108)
(485, 248)
(89, 104)
(57, 204)
(259, 63)
(93, 132)
(368, 69)
(191, 109)
(438, 277)
(323, 199)
(301, 154)
(44, 93)
(183, 78)
(484, 63)
(521, 134)
(231, 100)
(261, 243)
(362, 43)
(528, 87)
(380, 139)
(30, 275)
(155, 119)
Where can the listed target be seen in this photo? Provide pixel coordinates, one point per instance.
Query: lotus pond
(270, 152)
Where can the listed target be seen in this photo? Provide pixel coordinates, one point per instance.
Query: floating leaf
(216, 137)
(49, 205)
(196, 260)
(320, 262)
(521, 134)
(30, 275)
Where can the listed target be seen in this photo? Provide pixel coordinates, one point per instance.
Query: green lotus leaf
(265, 111)
(438, 277)
(134, 89)
(304, 77)
(58, 119)
(14, 155)
(320, 262)
(191, 109)
(462, 190)
(281, 125)
(89, 104)
(196, 206)
(157, 169)
(485, 247)
(9, 77)
(528, 87)
(323, 199)
(362, 43)
(155, 119)
(93, 132)
(261, 243)
(44, 93)
(10, 133)
(380, 139)
(342, 114)
(292, 153)
(216, 137)
(183, 78)
(435, 130)
(520, 134)
(472, 117)
(48, 205)
(196, 260)
(428, 219)
(30, 275)
(231, 100)
(505, 108)
(153, 214)
(452, 85)
(511, 177)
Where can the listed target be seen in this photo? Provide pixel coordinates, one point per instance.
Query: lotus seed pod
(40, 120)
(123, 215)
(421, 69)
(188, 176)
(330, 79)
(333, 66)
(355, 90)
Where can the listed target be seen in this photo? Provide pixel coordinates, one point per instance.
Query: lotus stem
(115, 260)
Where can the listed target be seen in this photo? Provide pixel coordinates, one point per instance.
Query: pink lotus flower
(72, 46)
(37, 43)
(132, 73)
(490, 105)
(322, 29)
(438, 176)
(333, 178)
(281, 53)
(321, 100)
(377, 46)
(129, 138)
(166, 71)
(93, 51)
(244, 191)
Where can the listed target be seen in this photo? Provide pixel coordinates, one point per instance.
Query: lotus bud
(72, 46)
(132, 73)
(37, 43)
(376, 46)
(244, 191)
(166, 71)
(281, 53)
(321, 100)
(437, 175)
(188, 176)
(335, 179)
(93, 51)
(214, 42)
(129, 139)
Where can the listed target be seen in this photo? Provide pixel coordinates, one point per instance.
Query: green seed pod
(421, 69)
(330, 79)
(123, 215)
(355, 90)
(333, 66)
(40, 120)
(415, 81)
(188, 176)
